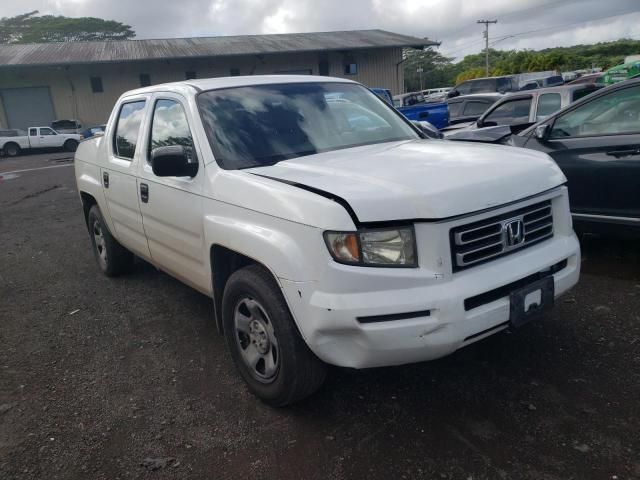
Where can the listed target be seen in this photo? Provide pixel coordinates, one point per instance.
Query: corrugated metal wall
(73, 98)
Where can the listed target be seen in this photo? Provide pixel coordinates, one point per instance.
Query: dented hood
(421, 179)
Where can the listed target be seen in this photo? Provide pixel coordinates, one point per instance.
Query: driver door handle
(623, 153)
(144, 193)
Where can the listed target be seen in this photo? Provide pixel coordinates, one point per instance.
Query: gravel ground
(126, 378)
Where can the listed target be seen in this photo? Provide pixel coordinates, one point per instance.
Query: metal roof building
(82, 80)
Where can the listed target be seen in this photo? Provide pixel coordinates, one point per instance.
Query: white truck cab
(325, 227)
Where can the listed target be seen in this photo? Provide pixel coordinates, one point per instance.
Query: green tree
(31, 28)
(437, 70)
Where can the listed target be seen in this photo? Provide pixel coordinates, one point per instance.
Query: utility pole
(486, 43)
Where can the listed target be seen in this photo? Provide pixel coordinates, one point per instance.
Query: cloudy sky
(521, 24)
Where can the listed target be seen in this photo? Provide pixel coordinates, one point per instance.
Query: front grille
(493, 237)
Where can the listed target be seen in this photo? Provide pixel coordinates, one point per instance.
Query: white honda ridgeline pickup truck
(324, 226)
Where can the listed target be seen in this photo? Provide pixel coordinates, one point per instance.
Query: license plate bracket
(530, 302)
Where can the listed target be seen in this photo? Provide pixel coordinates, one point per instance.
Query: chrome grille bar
(492, 237)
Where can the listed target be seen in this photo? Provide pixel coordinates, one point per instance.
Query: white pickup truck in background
(14, 142)
(326, 228)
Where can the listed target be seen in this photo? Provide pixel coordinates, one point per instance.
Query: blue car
(413, 106)
(384, 94)
(91, 131)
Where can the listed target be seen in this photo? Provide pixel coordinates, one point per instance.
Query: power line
(505, 37)
(499, 39)
(462, 47)
(515, 12)
(537, 7)
(509, 14)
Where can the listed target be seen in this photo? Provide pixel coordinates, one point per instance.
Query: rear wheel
(113, 259)
(12, 149)
(265, 344)
(71, 145)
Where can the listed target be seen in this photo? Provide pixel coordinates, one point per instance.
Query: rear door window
(127, 129)
(548, 103)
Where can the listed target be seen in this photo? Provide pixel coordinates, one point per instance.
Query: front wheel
(265, 344)
(71, 145)
(112, 257)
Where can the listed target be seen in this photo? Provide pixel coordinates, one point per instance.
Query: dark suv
(508, 83)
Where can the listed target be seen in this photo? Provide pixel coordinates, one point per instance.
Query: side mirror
(479, 123)
(542, 131)
(427, 129)
(452, 93)
(174, 161)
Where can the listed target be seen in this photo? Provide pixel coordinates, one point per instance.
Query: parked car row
(592, 132)
(596, 143)
(524, 108)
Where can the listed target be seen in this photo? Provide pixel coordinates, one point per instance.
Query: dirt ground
(112, 378)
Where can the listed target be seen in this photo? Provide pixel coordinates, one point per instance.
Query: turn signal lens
(384, 247)
(343, 246)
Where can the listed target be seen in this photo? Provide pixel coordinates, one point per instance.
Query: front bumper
(328, 318)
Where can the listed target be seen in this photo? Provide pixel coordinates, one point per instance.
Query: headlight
(376, 247)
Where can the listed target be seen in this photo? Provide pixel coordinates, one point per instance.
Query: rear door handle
(105, 179)
(624, 153)
(144, 193)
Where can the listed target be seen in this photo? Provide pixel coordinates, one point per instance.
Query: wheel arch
(11, 142)
(224, 262)
(88, 201)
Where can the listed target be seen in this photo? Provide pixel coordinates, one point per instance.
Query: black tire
(299, 372)
(113, 259)
(12, 149)
(71, 145)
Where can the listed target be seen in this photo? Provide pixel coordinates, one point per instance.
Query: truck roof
(239, 81)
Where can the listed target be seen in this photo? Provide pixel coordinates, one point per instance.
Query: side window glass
(47, 131)
(510, 113)
(464, 88)
(483, 86)
(578, 94)
(33, 132)
(547, 104)
(170, 126)
(127, 128)
(475, 108)
(615, 113)
(455, 109)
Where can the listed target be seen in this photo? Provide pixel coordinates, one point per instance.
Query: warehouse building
(40, 83)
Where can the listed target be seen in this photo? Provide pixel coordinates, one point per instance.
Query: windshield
(263, 124)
